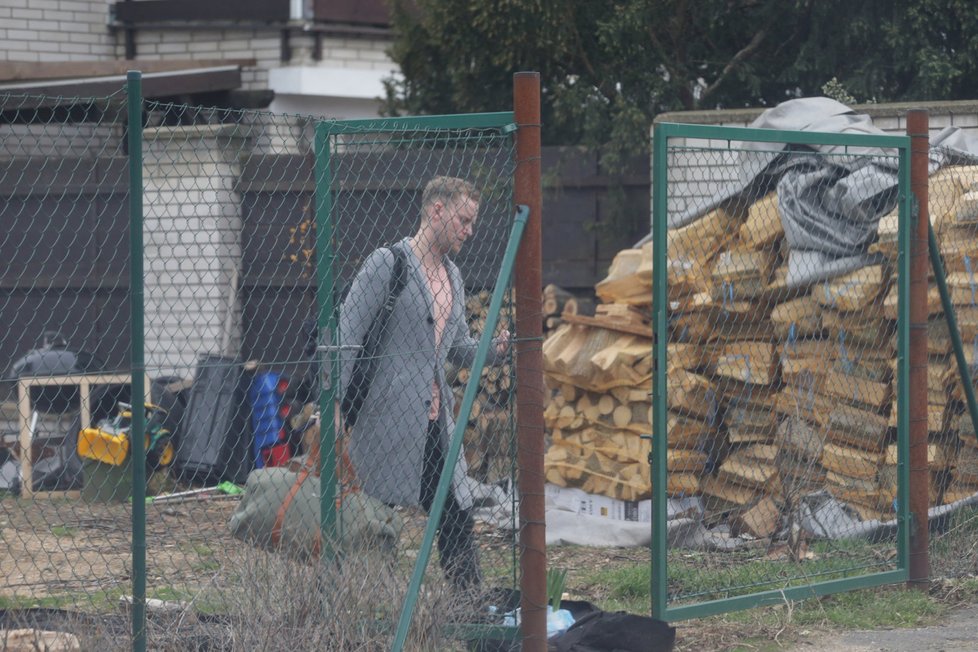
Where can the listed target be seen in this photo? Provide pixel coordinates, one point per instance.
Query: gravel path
(957, 634)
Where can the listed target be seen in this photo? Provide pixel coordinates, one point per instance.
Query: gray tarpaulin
(830, 198)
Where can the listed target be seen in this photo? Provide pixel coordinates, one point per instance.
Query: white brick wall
(262, 45)
(77, 30)
(192, 245)
(55, 30)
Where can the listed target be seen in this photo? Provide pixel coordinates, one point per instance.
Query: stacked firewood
(773, 392)
(600, 370)
(487, 436)
(557, 302)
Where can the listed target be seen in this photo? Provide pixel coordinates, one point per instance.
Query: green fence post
(134, 97)
(326, 322)
(455, 447)
(952, 327)
(660, 217)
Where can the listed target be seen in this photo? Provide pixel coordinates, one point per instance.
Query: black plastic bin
(215, 437)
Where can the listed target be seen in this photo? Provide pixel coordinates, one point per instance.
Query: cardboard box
(580, 502)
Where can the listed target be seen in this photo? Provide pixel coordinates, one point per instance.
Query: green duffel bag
(280, 511)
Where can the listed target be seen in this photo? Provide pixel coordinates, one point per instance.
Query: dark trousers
(456, 538)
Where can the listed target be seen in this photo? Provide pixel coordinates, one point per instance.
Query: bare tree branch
(745, 52)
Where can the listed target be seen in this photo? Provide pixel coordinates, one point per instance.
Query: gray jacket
(387, 443)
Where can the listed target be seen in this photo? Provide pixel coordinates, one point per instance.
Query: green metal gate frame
(660, 173)
(326, 320)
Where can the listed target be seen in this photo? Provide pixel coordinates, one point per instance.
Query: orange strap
(348, 485)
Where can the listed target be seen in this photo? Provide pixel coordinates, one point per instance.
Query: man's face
(458, 222)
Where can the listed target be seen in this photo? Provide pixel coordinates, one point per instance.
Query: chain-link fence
(780, 383)
(952, 446)
(268, 254)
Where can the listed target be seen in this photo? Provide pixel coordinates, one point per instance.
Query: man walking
(402, 430)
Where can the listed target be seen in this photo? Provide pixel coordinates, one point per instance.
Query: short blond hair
(448, 189)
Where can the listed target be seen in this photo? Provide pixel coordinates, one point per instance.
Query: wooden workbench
(84, 382)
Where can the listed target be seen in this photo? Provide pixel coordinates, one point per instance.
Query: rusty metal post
(529, 366)
(919, 562)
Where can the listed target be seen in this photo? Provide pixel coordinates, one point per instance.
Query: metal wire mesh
(63, 178)
(782, 360)
(952, 446)
(233, 315)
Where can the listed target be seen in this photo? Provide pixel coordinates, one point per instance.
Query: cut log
(686, 461)
(939, 456)
(760, 477)
(691, 246)
(721, 496)
(624, 284)
(750, 415)
(688, 432)
(614, 325)
(622, 313)
(800, 438)
(763, 226)
(851, 461)
(965, 209)
(752, 362)
(691, 395)
(692, 356)
(759, 520)
(764, 453)
(805, 404)
(859, 391)
(851, 426)
(679, 485)
(963, 288)
(797, 318)
(851, 292)
(891, 302)
(740, 264)
(555, 300)
(857, 491)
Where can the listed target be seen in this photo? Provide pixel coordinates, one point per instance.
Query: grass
(63, 531)
(627, 587)
(94, 601)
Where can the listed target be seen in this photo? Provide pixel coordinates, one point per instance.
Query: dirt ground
(54, 546)
(57, 547)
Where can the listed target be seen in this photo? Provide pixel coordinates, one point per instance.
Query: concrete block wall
(192, 245)
(55, 30)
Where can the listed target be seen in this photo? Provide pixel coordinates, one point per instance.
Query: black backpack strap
(397, 283)
(364, 366)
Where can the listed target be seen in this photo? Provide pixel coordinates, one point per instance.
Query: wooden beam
(170, 11)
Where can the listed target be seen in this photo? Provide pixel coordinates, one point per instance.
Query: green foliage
(609, 66)
(556, 577)
(832, 88)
